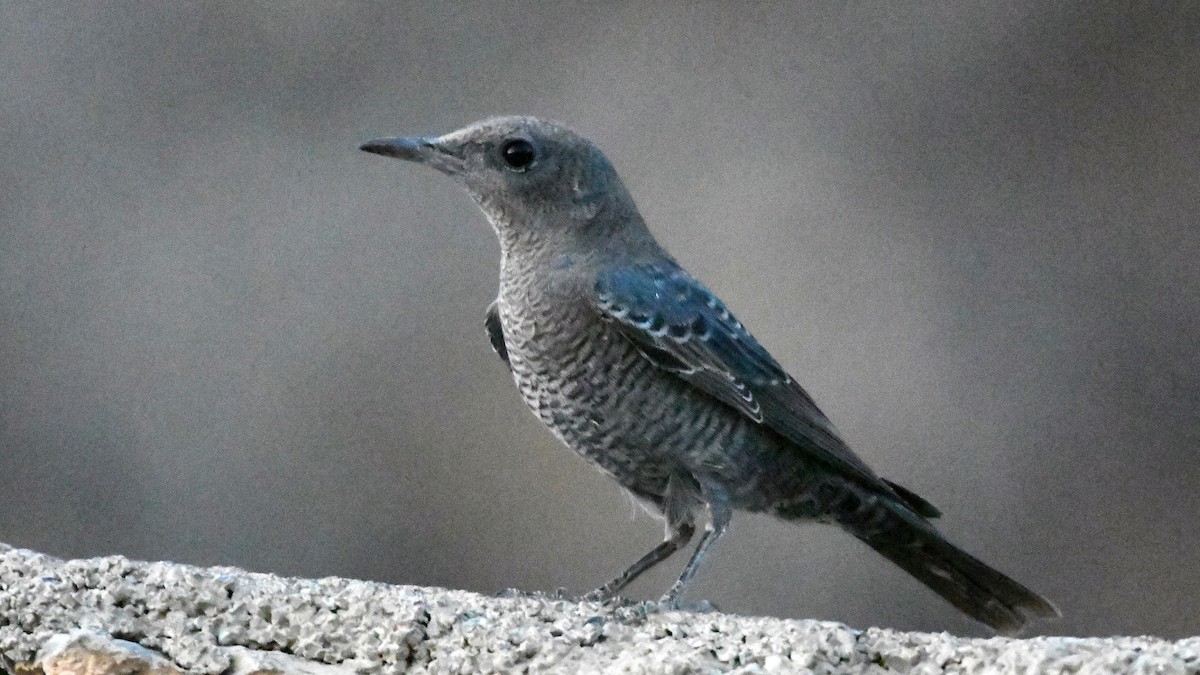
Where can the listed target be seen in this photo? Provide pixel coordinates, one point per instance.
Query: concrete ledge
(113, 615)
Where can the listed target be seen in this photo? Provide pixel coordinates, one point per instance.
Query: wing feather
(681, 327)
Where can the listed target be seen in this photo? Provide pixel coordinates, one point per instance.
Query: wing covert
(683, 328)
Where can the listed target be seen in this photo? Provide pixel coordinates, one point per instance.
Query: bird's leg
(678, 534)
(679, 500)
(719, 514)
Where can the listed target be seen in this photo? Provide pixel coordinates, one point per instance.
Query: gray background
(227, 336)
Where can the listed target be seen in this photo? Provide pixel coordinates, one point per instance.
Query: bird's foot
(698, 607)
(672, 603)
(607, 596)
(602, 595)
(558, 594)
(631, 612)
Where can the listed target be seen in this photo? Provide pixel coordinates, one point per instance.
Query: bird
(638, 367)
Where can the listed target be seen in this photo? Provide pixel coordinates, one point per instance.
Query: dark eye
(518, 154)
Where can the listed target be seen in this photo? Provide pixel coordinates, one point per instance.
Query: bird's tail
(911, 542)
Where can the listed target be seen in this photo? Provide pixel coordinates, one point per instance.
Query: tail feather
(963, 580)
(914, 501)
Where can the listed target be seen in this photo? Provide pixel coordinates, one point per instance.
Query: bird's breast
(566, 361)
(592, 387)
(577, 373)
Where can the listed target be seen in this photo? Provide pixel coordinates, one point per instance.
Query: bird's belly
(639, 424)
(588, 390)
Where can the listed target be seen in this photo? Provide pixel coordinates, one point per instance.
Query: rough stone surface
(113, 615)
(92, 653)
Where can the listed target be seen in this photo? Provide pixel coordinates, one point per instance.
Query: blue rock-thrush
(640, 369)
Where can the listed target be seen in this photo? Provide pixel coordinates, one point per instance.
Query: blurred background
(970, 229)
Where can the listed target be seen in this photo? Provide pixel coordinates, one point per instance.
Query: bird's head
(529, 176)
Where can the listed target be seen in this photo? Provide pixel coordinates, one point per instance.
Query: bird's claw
(673, 604)
(558, 594)
(600, 595)
(698, 607)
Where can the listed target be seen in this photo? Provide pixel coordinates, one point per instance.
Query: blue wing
(683, 328)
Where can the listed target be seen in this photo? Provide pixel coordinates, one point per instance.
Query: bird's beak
(421, 149)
